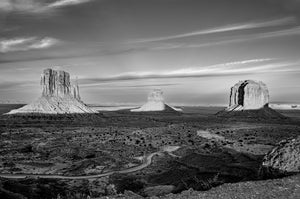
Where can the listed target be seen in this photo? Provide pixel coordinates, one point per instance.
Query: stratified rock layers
(285, 157)
(155, 103)
(248, 95)
(58, 96)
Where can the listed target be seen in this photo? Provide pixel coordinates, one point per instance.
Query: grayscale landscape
(104, 99)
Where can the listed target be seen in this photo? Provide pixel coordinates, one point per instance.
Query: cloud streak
(244, 67)
(126, 86)
(36, 6)
(24, 44)
(222, 29)
(62, 3)
(230, 40)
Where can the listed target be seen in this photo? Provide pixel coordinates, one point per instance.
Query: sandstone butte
(155, 103)
(248, 95)
(59, 96)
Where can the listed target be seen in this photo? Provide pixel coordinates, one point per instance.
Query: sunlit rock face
(59, 96)
(248, 95)
(155, 103)
(55, 83)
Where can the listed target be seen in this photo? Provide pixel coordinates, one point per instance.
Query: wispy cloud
(244, 67)
(28, 43)
(230, 40)
(107, 86)
(36, 6)
(222, 29)
(61, 3)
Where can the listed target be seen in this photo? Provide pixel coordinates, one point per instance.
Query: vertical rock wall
(55, 83)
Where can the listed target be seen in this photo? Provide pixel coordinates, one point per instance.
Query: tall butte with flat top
(249, 99)
(59, 96)
(248, 95)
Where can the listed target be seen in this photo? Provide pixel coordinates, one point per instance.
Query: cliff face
(58, 96)
(55, 83)
(248, 95)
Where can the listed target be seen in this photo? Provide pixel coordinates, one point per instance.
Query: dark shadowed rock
(159, 190)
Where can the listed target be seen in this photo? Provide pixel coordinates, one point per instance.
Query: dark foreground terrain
(143, 155)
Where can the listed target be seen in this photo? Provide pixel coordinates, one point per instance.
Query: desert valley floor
(192, 154)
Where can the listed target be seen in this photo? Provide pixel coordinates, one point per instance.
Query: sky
(120, 50)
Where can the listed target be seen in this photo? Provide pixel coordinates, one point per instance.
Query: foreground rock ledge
(284, 188)
(284, 158)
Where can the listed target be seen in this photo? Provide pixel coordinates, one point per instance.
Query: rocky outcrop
(59, 96)
(155, 103)
(248, 95)
(284, 158)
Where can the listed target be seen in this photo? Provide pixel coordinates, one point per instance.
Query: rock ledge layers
(155, 103)
(248, 95)
(59, 96)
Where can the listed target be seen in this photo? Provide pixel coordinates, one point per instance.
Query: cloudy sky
(194, 50)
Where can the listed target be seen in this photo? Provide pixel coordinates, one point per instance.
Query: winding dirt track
(147, 162)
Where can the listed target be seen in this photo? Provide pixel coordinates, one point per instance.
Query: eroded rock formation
(285, 157)
(59, 96)
(248, 95)
(155, 103)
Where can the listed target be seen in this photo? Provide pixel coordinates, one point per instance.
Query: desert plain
(150, 154)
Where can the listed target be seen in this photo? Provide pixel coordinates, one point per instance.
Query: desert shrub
(26, 149)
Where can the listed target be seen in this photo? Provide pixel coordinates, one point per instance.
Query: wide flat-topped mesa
(155, 103)
(59, 96)
(248, 95)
